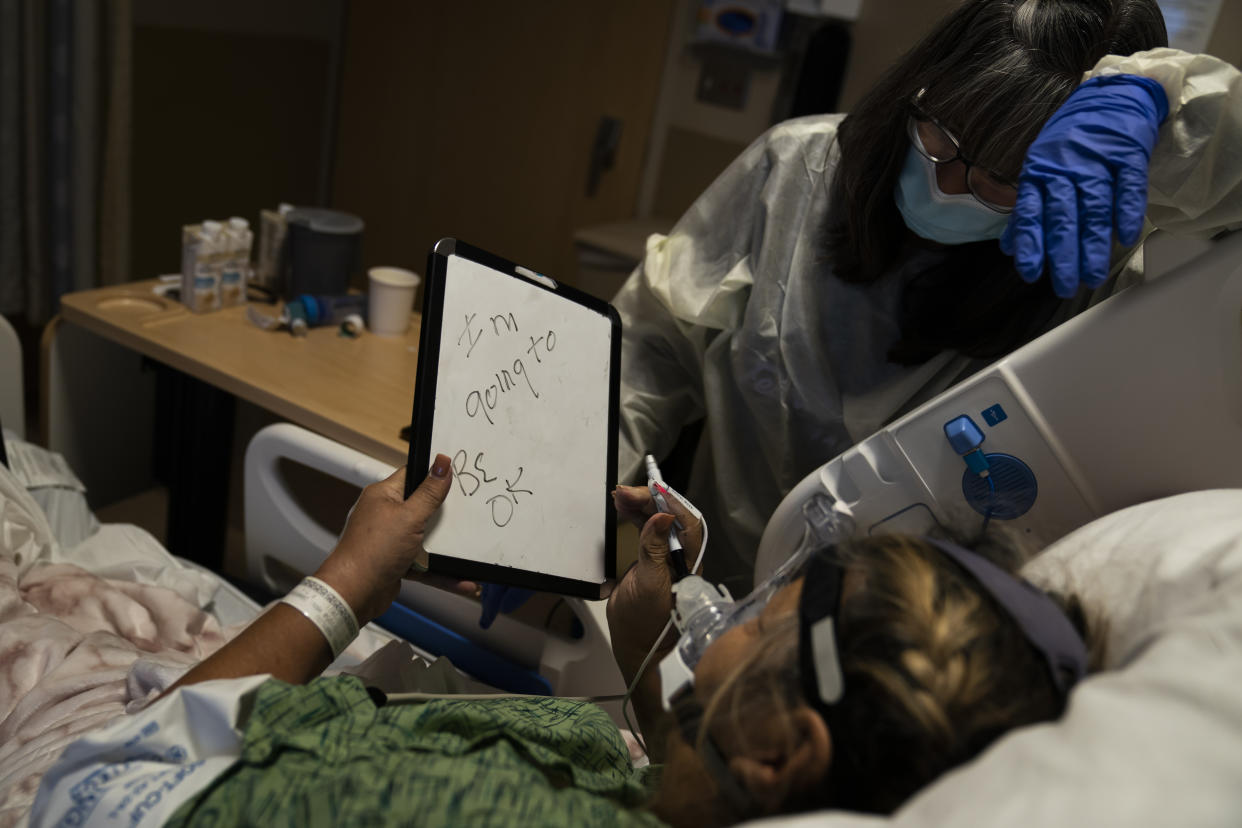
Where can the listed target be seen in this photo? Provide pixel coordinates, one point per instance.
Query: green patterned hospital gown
(324, 754)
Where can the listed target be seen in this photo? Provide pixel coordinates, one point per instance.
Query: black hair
(936, 670)
(992, 72)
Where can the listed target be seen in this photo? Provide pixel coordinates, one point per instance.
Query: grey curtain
(65, 68)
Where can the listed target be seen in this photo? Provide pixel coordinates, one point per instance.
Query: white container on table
(390, 299)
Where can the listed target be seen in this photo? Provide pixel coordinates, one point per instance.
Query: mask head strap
(819, 663)
(1041, 621)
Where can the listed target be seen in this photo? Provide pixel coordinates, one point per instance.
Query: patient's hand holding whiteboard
(518, 383)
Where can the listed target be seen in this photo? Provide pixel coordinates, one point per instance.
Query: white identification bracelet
(327, 610)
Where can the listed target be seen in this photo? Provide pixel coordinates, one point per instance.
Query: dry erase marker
(659, 493)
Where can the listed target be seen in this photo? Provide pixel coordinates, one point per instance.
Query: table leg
(193, 452)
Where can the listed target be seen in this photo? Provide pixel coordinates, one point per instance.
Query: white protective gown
(736, 314)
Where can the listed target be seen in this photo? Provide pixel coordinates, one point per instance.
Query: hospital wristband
(326, 609)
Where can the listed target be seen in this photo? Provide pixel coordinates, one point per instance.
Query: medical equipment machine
(1139, 397)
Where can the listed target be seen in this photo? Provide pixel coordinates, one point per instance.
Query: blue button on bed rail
(964, 436)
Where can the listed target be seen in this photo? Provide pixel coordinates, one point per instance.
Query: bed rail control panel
(1075, 423)
(995, 485)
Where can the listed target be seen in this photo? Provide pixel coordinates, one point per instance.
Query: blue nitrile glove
(1084, 175)
(497, 599)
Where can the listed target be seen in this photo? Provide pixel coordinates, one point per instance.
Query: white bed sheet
(91, 630)
(1156, 738)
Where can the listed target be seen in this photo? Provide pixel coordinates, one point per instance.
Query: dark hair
(936, 669)
(992, 72)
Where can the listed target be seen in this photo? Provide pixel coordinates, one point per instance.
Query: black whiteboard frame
(424, 414)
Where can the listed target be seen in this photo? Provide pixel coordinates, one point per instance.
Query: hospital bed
(1088, 419)
(93, 618)
(12, 405)
(1138, 398)
(1175, 570)
(1115, 444)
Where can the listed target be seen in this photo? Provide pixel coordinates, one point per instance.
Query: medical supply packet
(235, 271)
(201, 249)
(140, 769)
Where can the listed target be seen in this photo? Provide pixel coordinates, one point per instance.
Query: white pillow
(1156, 738)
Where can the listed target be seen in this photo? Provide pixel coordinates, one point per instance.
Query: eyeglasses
(937, 144)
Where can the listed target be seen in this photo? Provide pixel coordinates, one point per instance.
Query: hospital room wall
(216, 136)
(477, 120)
(887, 28)
(211, 137)
(1226, 40)
(692, 141)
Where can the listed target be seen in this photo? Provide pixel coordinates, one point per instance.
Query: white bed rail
(1138, 398)
(12, 386)
(281, 538)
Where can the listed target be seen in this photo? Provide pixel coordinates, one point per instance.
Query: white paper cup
(390, 299)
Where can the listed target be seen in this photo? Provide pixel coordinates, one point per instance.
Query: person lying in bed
(851, 679)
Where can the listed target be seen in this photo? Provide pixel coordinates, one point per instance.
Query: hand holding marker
(660, 494)
(498, 599)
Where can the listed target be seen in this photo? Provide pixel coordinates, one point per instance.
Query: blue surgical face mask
(938, 216)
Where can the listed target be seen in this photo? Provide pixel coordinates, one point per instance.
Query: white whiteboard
(521, 406)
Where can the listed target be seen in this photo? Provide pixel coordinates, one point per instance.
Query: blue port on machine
(963, 435)
(1013, 492)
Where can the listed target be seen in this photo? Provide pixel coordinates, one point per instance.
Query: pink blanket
(76, 648)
